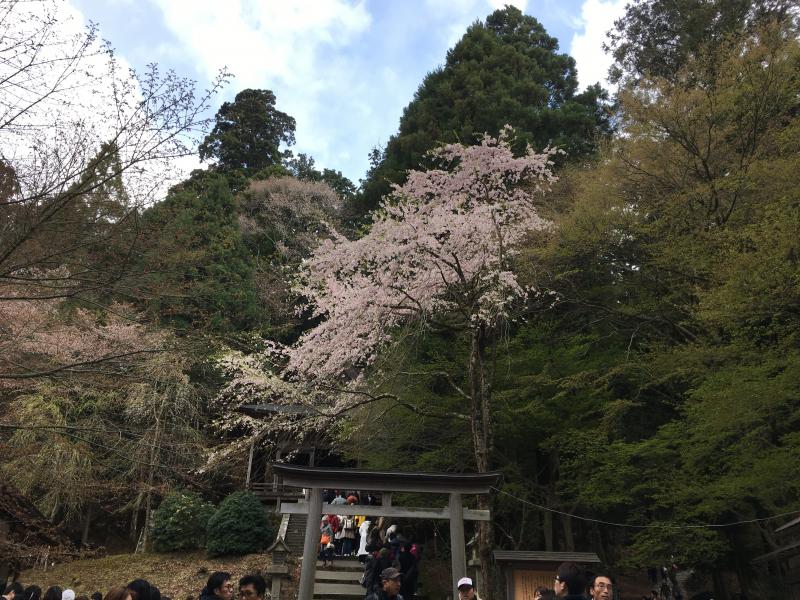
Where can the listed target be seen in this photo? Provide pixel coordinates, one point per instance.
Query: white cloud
(597, 17)
(296, 49)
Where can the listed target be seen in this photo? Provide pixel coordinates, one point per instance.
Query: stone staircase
(339, 581)
(295, 533)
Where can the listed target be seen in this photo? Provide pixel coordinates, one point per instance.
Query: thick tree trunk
(480, 392)
(569, 537)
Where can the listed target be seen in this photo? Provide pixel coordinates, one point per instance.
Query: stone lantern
(278, 568)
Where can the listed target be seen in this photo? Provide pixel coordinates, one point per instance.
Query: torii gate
(315, 479)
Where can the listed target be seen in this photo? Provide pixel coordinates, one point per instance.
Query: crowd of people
(218, 587)
(378, 545)
(571, 582)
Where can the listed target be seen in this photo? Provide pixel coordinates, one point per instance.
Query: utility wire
(652, 525)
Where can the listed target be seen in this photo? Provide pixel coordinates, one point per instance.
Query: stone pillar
(457, 542)
(308, 567)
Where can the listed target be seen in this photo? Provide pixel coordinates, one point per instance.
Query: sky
(344, 69)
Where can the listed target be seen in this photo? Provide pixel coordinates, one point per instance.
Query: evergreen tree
(201, 271)
(505, 71)
(248, 133)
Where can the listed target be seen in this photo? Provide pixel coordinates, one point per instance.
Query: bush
(180, 522)
(239, 526)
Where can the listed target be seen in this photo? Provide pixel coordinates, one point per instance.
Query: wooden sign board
(526, 581)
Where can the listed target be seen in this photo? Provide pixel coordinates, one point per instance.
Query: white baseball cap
(464, 581)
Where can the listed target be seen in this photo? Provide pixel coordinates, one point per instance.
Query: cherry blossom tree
(443, 242)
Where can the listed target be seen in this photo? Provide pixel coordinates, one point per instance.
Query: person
(339, 499)
(33, 592)
(13, 590)
(68, 594)
(118, 593)
(96, 596)
(252, 587)
(601, 588)
(570, 581)
(409, 570)
(390, 586)
(544, 593)
(347, 534)
(325, 539)
(363, 531)
(139, 589)
(466, 589)
(53, 593)
(218, 587)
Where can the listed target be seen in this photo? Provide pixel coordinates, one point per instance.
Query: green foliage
(201, 271)
(656, 37)
(248, 133)
(180, 522)
(505, 71)
(239, 526)
(654, 382)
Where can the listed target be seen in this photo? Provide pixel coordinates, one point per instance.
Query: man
(390, 586)
(252, 587)
(13, 589)
(466, 590)
(339, 499)
(218, 587)
(570, 581)
(601, 588)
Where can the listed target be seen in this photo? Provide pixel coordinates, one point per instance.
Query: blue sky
(344, 69)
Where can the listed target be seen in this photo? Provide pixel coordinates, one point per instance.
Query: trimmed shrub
(240, 526)
(180, 522)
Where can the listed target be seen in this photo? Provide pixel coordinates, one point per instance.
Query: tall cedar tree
(248, 133)
(504, 71)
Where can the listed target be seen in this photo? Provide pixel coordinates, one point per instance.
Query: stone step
(350, 576)
(343, 564)
(338, 589)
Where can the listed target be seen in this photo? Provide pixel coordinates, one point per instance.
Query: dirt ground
(179, 576)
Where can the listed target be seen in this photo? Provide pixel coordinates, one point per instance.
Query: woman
(326, 542)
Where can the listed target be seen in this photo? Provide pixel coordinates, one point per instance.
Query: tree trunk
(480, 393)
(547, 528)
(150, 481)
(87, 521)
(720, 590)
(569, 537)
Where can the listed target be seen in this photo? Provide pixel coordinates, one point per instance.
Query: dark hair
(53, 593)
(217, 580)
(257, 581)
(96, 596)
(118, 593)
(546, 593)
(155, 593)
(16, 587)
(571, 574)
(33, 592)
(140, 589)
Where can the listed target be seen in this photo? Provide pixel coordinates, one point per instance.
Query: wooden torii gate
(315, 479)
